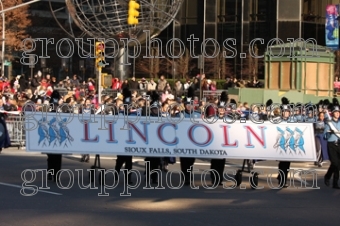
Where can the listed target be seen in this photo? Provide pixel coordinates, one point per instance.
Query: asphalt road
(168, 206)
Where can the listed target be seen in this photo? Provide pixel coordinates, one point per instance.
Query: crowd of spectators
(178, 88)
(16, 92)
(38, 90)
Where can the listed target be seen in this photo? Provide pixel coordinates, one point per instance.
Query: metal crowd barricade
(114, 93)
(209, 93)
(62, 91)
(110, 92)
(14, 123)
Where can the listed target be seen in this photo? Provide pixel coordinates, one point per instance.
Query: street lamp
(3, 42)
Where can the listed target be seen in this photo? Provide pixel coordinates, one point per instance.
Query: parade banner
(332, 27)
(176, 137)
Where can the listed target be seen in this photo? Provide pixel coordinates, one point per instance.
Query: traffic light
(133, 13)
(106, 80)
(100, 55)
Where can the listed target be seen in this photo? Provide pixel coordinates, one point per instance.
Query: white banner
(113, 135)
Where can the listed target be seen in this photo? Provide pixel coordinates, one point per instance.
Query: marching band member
(54, 161)
(219, 164)
(320, 142)
(155, 111)
(326, 108)
(86, 109)
(124, 159)
(331, 133)
(284, 165)
(188, 162)
(298, 113)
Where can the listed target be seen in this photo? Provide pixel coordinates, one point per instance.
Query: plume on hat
(326, 102)
(284, 101)
(269, 102)
(335, 101)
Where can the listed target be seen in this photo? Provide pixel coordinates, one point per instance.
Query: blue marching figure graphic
(299, 143)
(64, 133)
(280, 141)
(43, 131)
(53, 132)
(290, 143)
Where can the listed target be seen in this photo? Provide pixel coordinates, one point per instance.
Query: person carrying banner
(124, 159)
(54, 161)
(332, 134)
(188, 162)
(155, 162)
(86, 109)
(218, 165)
(284, 165)
(320, 142)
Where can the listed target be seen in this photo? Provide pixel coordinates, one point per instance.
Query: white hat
(335, 108)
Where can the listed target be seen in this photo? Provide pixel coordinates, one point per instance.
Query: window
(191, 11)
(315, 10)
(259, 10)
(228, 10)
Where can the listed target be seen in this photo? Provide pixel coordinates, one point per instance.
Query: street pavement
(297, 205)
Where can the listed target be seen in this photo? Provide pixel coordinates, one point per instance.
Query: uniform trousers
(334, 157)
(282, 177)
(121, 160)
(54, 163)
(218, 165)
(186, 163)
(154, 165)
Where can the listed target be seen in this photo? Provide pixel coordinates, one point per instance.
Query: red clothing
(91, 86)
(4, 84)
(77, 94)
(48, 93)
(116, 84)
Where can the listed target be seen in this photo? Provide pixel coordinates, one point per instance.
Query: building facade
(247, 20)
(220, 20)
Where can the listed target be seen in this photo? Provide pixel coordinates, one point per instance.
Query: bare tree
(218, 66)
(148, 66)
(152, 66)
(182, 65)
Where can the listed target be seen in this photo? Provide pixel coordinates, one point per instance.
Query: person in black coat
(154, 108)
(54, 160)
(124, 159)
(218, 165)
(87, 108)
(284, 166)
(5, 141)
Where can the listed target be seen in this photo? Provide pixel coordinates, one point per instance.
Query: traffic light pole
(99, 86)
